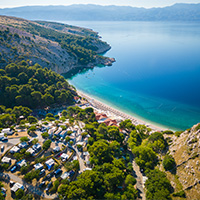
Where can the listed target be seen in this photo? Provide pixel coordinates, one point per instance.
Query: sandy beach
(98, 105)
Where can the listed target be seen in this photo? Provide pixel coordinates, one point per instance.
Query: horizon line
(98, 5)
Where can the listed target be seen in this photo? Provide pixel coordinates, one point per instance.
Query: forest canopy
(33, 86)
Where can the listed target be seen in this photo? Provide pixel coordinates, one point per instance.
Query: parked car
(49, 186)
(42, 184)
(42, 171)
(71, 173)
(13, 168)
(2, 148)
(12, 183)
(4, 139)
(58, 171)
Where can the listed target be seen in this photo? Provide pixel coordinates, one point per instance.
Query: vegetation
(32, 86)
(45, 135)
(21, 39)
(19, 194)
(1, 195)
(179, 194)
(157, 185)
(31, 175)
(169, 162)
(110, 170)
(157, 142)
(86, 115)
(145, 157)
(10, 116)
(24, 139)
(46, 145)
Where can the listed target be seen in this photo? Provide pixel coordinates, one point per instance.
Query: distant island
(59, 47)
(176, 12)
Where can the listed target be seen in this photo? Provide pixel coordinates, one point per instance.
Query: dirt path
(139, 178)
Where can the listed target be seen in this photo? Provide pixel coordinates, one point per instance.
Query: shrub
(178, 133)
(45, 135)
(169, 162)
(24, 139)
(179, 194)
(46, 144)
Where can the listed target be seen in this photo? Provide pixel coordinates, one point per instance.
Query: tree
(48, 99)
(145, 157)
(130, 180)
(130, 193)
(89, 185)
(157, 185)
(46, 145)
(100, 152)
(24, 139)
(169, 162)
(157, 142)
(32, 129)
(1, 194)
(32, 119)
(18, 156)
(45, 135)
(114, 134)
(19, 193)
(35, 141)
(64, 113)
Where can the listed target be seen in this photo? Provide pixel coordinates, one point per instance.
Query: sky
(134, 3)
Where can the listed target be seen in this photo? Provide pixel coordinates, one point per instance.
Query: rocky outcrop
(186, 152)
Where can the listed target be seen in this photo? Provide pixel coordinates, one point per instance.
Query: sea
(156, 76)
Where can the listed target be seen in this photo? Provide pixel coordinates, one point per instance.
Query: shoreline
(96, 104)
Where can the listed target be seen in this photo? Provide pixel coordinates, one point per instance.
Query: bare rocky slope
(56, 46)
(186, 149)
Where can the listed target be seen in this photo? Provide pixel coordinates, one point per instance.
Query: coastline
(99, 105)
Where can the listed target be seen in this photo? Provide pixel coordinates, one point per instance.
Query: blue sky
(134, 3)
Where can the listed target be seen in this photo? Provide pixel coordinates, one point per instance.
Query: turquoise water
(156, 76)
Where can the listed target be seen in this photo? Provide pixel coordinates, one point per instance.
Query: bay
(156, 76)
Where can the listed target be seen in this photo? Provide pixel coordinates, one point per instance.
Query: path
(139, 178)
(29, 187)
(81, 161)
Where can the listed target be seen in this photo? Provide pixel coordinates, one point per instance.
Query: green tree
(32, 119)
(45, 135)
(48, 99)
(46, 145)
(130, 180)
(19, 193)
(169, 162)
(24, 139)
(157, 185)
(100, 152)
(145, 157)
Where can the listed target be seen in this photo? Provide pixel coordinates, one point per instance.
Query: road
(11, 142)
(80, 159)
(29, 187)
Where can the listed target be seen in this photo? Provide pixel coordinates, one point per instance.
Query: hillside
(185, 149)
(56, 46)
(33, 86)
(177, 12)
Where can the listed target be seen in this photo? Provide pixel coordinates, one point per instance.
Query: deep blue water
(157, 72)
